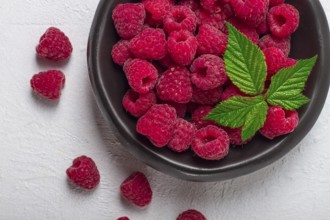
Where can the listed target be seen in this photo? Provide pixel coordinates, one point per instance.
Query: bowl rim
(162, 163)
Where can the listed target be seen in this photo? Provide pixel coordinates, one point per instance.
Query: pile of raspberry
(172, 56)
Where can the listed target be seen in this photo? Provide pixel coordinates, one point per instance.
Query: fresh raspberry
(150, 44)
(251, 12)
(166, 61)
(48, 84)
(206, 97)
(136, 189)
(208, 72)
(262, 28)
(129, 19)
(275, 2)
(183, 135)
(192, 4)
(211, 40)
(120, 52)
(230, 91)
(141, 75)
(272, 41)
(157, 124)
(180, 18)
(84, 173)
(215, 19)
(211, 143)
(235, 136)
(198, 115)
(180, 108)
(138, 104)
(249, 32)
(54, 45)
(191, 214)
(182, 46)
(123, 218)
(156, 10)
(279, 122)
(175, 85)
(283, 20)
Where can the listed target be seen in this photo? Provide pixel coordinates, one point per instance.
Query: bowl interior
(110, 85)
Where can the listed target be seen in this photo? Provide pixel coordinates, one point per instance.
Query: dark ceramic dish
(109, 86)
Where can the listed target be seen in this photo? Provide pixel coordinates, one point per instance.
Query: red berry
(84, 173)
(275, 2)
(123, 218)
(54, 45)
(166, 61)
(120, 52)
(156, 10)
(191, 214)
(136, 189)
(179, 107)
(198, 114)
(235, 136)
(262, 28)
(179, 18)
(48, 84)
(272, 41)
(138, 104)
(206, 97)
(215, 19)
(183, 135)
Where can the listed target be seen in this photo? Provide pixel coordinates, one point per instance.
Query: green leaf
(287, 84)
(245, 63)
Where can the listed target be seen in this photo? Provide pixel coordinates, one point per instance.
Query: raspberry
(136, 189)
(48, 84)
(275, 2)
(84, 173)
(179, 107)
(251, 12)
(54, 45)
(230, 91)
(183, 135)
(166, 61)
(157, 124)
(156, 10)
(208, 72)
(174, 85)
(211, 40)
(123, 218)
(279, 122)
(215, 19)
(191, 214)
(272, 41)
(138, 104)
(120, 52)
(128, 19)
(249, 32)
(211, 143)
(150, 44)
(141, 75)
(192, 4)
(206, 97)
(283, 20)
(262, 28)
(198, 114)
(235, 136)
(180, 18)
(182, 46)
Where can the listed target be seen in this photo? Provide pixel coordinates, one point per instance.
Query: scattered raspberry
(279, 122)
(120, 52)
(198, 114)
(156, 10)
(235, 136)
(48, 84)
(129, 19)
(141, 75)
(211, 40)
(150, 44)
(208, 72)
(166, 61)
(211, 143)
(249, 32)
(174, 85)
(123, 218)
(215, 19)
(192, 4)
(136, 189)
(283, 20)
(179, 18)
(54, 45)
(157, 124)
(230, 91)
(262, 28)
(182, 46)
(183, 135)
(275, 2)
(138, 104)
(179, 107)
(191, 214)
(272, 41)
(206, 97)
(84, 173)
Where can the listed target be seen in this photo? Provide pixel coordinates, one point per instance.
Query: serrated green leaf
(290, 102)
(245, 63)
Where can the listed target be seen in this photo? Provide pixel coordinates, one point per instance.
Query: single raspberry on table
(211, 143)
(199, 113)
(156, 10)
(215, 19)
(84, 173)
(279, 122)
(141, 75)
(211, 40)
(235, 136)
(179, 18)
(175, 85)
(183, 135)
(208, 72)
(182, 46)
(271, 41)
(230, 91)
(136, 189)
(283, 20)
(150, 44)
(123, 218)
(138, 104)
(249, 32)
(128, 19)
(191, 214)
(206, 97)
(120, 52)
(48, 84)
(275, 2)
(192, 4)
(157, 124)
(180, 108)
(54, 45)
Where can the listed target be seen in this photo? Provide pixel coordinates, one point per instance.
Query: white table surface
(38, 141)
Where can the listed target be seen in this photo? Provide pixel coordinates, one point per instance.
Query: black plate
(109, 84)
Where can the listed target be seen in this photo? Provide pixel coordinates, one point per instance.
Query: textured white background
(38, 141)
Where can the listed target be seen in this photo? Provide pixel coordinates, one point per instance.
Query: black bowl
(109, 84)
